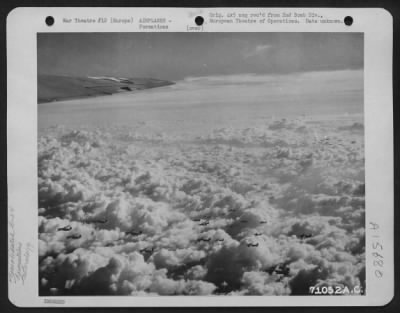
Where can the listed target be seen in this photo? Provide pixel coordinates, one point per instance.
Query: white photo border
(23, 25)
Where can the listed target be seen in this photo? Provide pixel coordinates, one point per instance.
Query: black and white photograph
(217, 164)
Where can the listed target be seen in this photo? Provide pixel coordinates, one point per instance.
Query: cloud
(260, 283)
(263, 210)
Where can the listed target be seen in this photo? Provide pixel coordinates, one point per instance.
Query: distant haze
(175, 56)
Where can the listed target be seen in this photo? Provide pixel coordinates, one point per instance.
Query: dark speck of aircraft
(252, 244)
(66, 228)
(263, 222)
(304, 236)
(204, 239)
(147, 250)
(74, 236)
(204, 223)
(134, 233)
(257, 234)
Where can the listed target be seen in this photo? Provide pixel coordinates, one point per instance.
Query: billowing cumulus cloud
(270, 209)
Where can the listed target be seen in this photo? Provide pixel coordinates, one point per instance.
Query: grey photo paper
(200, 157)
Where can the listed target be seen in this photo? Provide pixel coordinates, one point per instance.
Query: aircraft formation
(204, 221)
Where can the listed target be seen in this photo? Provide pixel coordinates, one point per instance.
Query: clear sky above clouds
(177, 55)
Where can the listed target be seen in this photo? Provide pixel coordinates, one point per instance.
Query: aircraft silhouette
(74, 236)
(252, 244)
(146, 250)
(204, 223)
(65, 228)
(134, 233)
(304, 236)
(204, 239)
